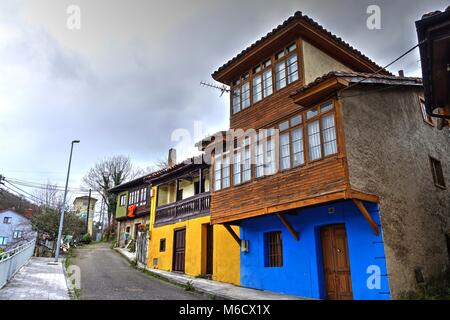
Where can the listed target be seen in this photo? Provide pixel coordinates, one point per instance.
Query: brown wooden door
(179, 249)
(209, 249)
(336, 266)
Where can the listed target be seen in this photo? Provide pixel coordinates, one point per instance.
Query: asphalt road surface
(105, 275)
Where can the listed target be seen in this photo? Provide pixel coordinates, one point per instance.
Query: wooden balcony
(183, 209)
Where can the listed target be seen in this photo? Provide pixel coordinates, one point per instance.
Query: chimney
(28, 213)
(172, 159)
(401, 73)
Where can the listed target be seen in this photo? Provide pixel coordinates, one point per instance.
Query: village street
(105, 275)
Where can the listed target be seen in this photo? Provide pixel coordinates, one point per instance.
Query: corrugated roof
(298, 16)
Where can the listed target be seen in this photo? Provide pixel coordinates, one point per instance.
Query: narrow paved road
(105, 275)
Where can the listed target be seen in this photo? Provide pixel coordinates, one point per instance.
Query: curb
(182, 283)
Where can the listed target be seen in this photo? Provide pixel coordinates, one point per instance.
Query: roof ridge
(297, 16)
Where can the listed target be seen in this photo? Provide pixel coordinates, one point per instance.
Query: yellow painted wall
(226, 265)
(226, 254)
(317, 63)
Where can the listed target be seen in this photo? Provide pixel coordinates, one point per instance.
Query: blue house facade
(301, 272)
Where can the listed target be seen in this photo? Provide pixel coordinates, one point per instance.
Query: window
(225, 172)
(273, 249)
(259, 158)
(237, 165)
(162, 245)
(143, 196)
(7, 220)
(285, 152)
(426, 117)
(240, 93)
(438, 174)
(247, 162)
(262, 81)
(286, 68)
(3, 241)
(217, 173)
(321, 132)
(123, 200)
(270, 154)
(258, 84)
(17, 234)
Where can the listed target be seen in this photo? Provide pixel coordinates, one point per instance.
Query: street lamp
(61, 220)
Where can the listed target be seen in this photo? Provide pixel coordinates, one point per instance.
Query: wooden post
(366, 215)
(233, 234)
(288, 225)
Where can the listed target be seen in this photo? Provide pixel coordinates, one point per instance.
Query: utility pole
(61, 220)
(89, 206)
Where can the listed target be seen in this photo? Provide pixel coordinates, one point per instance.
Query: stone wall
(388, 146)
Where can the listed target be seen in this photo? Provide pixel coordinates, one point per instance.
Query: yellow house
(181, 238)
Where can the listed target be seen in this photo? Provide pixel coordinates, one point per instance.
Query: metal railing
(12, 260)
(188, 207)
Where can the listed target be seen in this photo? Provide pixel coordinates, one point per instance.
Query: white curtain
(297, 146)
(314, 141)
(329, 135)
(285, 152)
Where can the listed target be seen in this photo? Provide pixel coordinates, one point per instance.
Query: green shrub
(86, 238)
(435, 288)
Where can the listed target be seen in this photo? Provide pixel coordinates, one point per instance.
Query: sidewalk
(212, 288)
(38, 279)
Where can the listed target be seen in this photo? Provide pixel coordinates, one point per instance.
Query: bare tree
(51, 196)
(107, 174)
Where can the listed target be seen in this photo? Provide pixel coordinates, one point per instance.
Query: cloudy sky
(130, 76)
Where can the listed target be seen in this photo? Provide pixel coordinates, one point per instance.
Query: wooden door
(336, 266)
(179, 249)
(209, 249)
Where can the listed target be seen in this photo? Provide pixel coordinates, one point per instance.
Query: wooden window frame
(273, 249)
(284, 59)
(425, 116)
(238, 83)
(434, 173)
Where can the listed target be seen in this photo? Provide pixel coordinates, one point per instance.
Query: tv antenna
(222, 89)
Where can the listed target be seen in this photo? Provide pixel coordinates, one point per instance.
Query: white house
(15, 229)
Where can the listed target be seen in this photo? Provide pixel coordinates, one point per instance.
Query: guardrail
(12, 260)
(195, 205)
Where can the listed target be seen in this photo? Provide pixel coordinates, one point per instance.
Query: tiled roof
(359, 76)
(298, 16)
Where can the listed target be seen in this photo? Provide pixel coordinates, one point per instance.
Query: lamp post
(61, 220)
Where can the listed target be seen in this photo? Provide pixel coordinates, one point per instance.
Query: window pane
(284, 126)
(236, 100)
(245, 95)
(267, 63)
(267, 83)
(237, 169)
(292, 68)
(270, 157)
(297, 147)
(285, 162)
(259, 161)
(257, 89)
(329, 135)
(247, 165)
(326, 107)
(296, 120)
(280, 75)
(226, 172)
(279, 55)
(312, 113)
(217, 174)
(314, 141)
(292, 47)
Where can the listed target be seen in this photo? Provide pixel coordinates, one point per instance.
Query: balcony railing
(196, 205)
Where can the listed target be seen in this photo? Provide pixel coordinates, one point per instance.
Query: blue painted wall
(301, 273)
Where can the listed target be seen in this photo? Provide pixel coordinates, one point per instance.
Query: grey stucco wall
(388, 146)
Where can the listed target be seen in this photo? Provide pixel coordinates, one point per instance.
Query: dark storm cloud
(131, 75)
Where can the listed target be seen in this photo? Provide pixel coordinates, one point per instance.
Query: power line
(383, 68)
(20, 195)
(29, 194)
